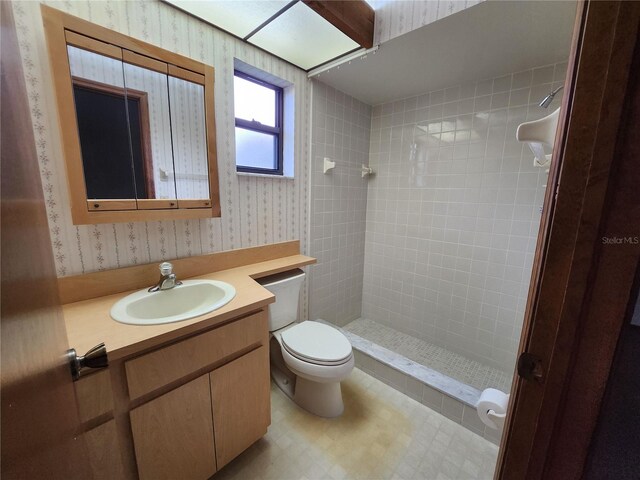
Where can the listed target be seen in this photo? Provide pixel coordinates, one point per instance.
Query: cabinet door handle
(94, 358)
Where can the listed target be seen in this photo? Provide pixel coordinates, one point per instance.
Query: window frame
(256, 126)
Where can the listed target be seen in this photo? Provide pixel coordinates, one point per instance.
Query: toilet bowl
(308, 359)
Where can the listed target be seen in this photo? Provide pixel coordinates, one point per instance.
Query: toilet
(308, 359)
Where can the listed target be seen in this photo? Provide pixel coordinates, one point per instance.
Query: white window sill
(263, 175)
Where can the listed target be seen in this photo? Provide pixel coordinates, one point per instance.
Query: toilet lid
(316, 342)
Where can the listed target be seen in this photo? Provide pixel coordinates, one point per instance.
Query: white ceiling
(298, 34)
(487, 40)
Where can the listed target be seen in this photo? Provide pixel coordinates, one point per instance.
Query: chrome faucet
(167, 280)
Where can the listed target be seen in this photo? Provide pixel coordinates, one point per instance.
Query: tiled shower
(453, 214)
(431, 257)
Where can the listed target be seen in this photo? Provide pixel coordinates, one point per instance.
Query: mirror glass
(142, 132)
(188, 131)
(150, 126)
(101, 104)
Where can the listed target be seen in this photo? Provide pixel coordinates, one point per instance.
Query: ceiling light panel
(303, 37)
(239, 17)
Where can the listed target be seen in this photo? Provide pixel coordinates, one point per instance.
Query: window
(258, 111)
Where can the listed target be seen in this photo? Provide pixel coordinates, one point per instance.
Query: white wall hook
(328, 165)
(538, 163)
(367, 171)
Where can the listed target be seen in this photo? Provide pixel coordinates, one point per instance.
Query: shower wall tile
(453, 213)
(340, 131)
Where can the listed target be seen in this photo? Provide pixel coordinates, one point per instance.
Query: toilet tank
(286, 287)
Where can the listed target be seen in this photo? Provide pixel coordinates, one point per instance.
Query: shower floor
(437, 358)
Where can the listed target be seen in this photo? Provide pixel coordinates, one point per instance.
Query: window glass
(254, 102)
(255, 149)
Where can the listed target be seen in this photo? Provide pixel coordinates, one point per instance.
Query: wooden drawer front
(173, 434)
(241, 397)
(163, 366)
(94, 395)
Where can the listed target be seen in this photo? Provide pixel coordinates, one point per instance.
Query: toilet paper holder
(492, 408)
(497, 418)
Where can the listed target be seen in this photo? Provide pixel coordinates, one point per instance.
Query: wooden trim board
(155, 203)
(105, 204)
(212, 153)
(98, 284)
(194, 203)
(354, 18)
(92, 45)
(187, 75)
(144, 62)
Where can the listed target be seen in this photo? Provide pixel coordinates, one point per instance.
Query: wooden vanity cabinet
(174, 433)
(183, 410)
(205, 400)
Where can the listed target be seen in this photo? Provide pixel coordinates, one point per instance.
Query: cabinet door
(104, 452)
(240, 392)
(173, 434)
(94, 395)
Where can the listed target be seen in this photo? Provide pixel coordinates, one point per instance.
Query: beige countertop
(89, 323)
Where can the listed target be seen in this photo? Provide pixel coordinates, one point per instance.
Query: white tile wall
(340, 130)
(453, 213)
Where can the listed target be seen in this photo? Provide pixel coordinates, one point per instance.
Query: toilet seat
(316, 343)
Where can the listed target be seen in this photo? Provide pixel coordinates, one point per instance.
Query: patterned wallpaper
(255, 210)
(397, 17)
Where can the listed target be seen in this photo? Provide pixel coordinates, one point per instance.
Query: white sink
(191, 299)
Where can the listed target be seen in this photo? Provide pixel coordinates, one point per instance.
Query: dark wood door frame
(581, 281)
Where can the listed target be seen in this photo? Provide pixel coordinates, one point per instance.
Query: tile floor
(383, 434)
(440, 359)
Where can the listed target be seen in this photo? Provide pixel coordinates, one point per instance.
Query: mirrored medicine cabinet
(137, 124)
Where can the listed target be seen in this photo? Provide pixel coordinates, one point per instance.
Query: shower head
(546, 101)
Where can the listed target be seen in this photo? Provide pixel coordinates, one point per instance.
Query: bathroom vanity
(178, 400)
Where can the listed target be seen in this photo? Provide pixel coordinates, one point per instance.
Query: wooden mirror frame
(62, 29)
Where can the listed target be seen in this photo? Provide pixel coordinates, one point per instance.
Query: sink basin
(191, 299)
